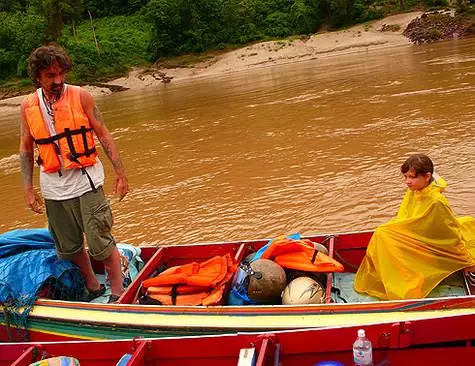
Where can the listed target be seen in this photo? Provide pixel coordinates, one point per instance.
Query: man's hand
(121, 186)
(33, 200)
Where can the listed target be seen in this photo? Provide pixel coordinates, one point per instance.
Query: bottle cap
(361, 333)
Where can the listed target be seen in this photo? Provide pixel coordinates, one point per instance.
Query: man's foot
(91, 295)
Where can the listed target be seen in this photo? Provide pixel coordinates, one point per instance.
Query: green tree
(20, 33)
(305, 16)
(184, 25)
(12, 5)
(57, 14)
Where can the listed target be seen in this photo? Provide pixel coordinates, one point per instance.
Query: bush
(277, 24)
(19, 35)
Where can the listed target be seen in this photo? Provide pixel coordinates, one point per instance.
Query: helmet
(266, 281)
(303, 290)
(320, 277)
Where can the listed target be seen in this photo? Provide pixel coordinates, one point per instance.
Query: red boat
(58, 320)
(438, 341)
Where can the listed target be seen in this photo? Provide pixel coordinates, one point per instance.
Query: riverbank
(383, 33)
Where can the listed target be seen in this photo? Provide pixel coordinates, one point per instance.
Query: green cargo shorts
(88, 214)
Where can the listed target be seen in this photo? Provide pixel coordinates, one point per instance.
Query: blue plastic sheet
(28, 263)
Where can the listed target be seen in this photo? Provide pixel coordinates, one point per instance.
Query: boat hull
(69, 321)
(438, 341)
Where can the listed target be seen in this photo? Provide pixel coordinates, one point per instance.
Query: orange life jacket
(74, 139)
(301, 255)
(192, 283)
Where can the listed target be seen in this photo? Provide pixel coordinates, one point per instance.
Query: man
(61, 119)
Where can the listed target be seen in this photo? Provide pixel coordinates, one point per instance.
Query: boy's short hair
(44, 56)
(420, 163)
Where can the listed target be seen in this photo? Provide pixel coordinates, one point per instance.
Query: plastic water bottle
(362, 350)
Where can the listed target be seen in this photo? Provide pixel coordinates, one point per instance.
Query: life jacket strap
(67, 131)
(73, 156)
(91, 183)
(174, 294)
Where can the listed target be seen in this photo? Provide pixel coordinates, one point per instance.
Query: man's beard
(57, 89)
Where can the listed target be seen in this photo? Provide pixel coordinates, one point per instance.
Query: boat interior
(347, 248)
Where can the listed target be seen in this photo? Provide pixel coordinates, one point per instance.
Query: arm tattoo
(26, 162)
(115, 160)
(98, 115)
(117, 163)
(107, 143)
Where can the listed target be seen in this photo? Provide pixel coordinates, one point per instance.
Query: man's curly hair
(44, 56)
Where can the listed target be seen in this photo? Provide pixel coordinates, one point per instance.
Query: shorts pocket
(102, 219)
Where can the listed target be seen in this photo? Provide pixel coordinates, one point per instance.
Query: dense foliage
(105, 37)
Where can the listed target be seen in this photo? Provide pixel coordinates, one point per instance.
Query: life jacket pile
(193, 283)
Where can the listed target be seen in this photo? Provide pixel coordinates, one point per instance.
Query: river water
(313, 146)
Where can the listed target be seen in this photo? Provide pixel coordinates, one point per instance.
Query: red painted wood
(131, 292)
(304, 347)
(328, 290)
(138, 357)
(28, 356)
(181, 254)
(264, 352)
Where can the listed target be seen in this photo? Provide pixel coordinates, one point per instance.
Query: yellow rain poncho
(409, 255)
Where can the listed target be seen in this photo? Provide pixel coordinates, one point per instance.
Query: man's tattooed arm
(26, 163)
(107, 142)
(121, 185)
(26, 153)
(98, 115)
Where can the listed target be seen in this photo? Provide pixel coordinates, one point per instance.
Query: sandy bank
(360, 38)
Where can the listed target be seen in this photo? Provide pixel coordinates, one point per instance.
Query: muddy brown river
(313, 146)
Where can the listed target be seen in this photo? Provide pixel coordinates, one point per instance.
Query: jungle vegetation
(106, 37)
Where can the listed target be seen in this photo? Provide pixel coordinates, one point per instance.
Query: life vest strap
(73, 156)
(67, 131)
(91, 183)
(174, 294)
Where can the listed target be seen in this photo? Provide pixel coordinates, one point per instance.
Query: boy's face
(416, 182)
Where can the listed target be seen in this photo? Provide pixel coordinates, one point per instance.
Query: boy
(408, 256)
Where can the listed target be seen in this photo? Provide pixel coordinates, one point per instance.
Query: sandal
(113, 299)
(91, 295)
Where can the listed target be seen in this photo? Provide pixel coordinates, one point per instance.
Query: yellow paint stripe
(63, 334)
(236, 321)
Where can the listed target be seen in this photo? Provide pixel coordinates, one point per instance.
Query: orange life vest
(192, 283)
(301, 255)
(74, 140)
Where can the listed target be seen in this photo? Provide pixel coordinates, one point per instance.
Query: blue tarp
(28, 263)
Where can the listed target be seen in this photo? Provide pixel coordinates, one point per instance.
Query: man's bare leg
(114, 272)
(84, 263)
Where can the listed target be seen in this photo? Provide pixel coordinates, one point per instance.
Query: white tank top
(72, 183)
